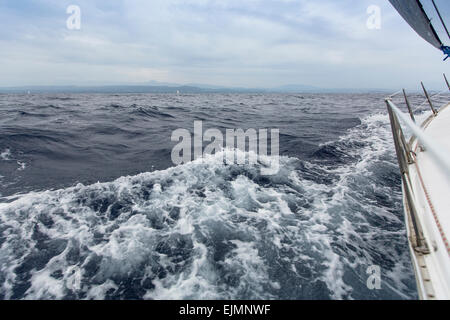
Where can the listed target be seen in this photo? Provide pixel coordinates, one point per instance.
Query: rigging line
(430, 204)
(394, 94)
(421, 105)
(439, 94)
(426, 100)
(440, 17)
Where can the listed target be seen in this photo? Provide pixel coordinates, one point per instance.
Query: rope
(426, 100)
(440, 17)
(430, 204)
(394, 94)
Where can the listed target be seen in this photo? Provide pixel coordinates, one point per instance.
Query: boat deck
(432, 200)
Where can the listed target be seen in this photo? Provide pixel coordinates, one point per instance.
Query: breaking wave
(207, 230)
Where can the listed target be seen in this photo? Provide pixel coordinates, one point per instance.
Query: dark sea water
(91, 206)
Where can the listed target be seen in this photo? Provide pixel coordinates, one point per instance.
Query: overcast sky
(248, 43)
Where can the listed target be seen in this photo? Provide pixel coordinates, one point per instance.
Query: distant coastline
(175, 88)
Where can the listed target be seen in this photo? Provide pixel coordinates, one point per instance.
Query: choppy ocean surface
(92, 208)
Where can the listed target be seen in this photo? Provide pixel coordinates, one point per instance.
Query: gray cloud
(248, 43)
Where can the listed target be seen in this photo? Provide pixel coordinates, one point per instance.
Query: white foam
(5, 155)
(22, 165)
(258, 224)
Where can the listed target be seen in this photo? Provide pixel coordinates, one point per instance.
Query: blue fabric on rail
(446, 51)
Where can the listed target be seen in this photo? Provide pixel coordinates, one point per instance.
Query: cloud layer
(251, 43)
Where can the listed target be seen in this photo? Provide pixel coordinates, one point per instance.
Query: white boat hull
(431, 198)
